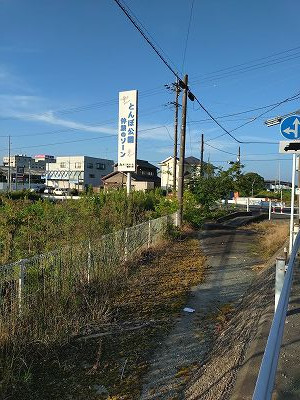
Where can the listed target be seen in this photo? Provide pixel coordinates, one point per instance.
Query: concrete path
(228, 275)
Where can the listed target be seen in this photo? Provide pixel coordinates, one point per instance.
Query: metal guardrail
(267, 373)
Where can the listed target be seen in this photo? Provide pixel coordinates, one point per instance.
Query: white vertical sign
(127, 137)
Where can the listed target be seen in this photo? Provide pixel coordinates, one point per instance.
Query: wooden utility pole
(177, 91)
(201, 156)
(182, 151)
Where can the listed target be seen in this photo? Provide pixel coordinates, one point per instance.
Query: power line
(223, 151)
(94, 125)
(245, 112)
(87, 107)
(167, 64)
(257, 160)
(254, 119)
(86, 139)
(187, 35)
(216, 72)
(217, 122)
(242, 71)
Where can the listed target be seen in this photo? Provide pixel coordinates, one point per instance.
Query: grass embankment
(271, 237)
(111, 358)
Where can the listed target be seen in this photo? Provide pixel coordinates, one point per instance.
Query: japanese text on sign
(127, 137)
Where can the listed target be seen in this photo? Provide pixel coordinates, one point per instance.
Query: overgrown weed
(271, 236)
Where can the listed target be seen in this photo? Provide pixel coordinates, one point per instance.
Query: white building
(78, 172)
(167, 168)
(22, 161)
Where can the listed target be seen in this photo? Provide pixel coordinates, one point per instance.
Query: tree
(250, 184)
(209, 189)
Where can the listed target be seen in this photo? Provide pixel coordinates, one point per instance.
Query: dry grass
(142, 313)
(271, 236)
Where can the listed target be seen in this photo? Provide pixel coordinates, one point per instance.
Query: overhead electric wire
(167, 64)
(246, 111)
(215, 120)
(87, 107)
(244, 70)
(187, 35)
(94, 125)
(126, 12)
(256, 160)
(245, 63)
(223, 151)
(260, 115)
(111, 136)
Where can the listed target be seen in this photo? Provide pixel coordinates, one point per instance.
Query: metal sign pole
(292, 204)
(128, 182)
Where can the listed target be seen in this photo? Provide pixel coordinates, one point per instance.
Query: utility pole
(175, 87)
(182, 151)
(9, 172)
(201, 155)
(177, 91)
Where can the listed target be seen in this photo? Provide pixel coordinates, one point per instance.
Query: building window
(100, 166)
(91, 175)
(89, 165)
(63, 165)
(78, 165)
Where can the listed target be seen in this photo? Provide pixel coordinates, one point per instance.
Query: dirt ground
(230, 261)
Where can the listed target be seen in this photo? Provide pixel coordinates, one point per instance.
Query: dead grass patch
(152, 295)
(271, 236)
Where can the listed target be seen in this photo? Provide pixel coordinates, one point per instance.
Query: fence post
(279, 278)
(270, 209)
(21, 284)
(149, 233)
(176, 219)
(126, 244)
(247, 204)
(89, 263)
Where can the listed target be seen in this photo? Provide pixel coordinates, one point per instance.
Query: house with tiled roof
(144, 178)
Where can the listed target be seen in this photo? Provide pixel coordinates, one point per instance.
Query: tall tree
(250, 184)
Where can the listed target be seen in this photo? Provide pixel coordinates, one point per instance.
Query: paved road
(229, 273)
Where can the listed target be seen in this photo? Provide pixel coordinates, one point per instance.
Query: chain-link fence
(39, 291)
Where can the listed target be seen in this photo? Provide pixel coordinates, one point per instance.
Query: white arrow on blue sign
(289, 127)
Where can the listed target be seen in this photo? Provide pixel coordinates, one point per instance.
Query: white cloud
(21, 107)
(50, 118)
(12, 82)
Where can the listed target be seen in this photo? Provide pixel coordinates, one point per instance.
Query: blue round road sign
(290, 127)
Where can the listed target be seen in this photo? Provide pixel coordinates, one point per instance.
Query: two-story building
(144, 178)
(77, 172)
(191, 164)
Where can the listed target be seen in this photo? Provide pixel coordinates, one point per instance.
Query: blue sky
(62, 64)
